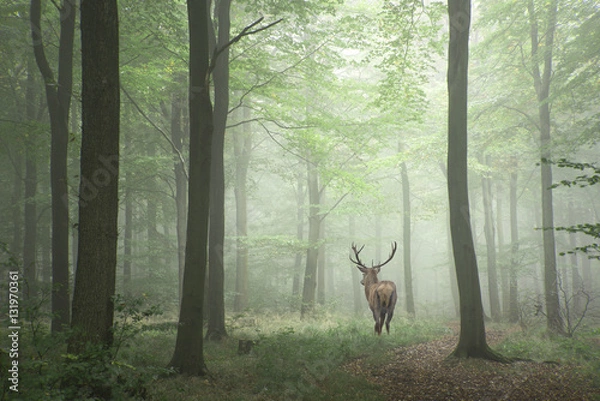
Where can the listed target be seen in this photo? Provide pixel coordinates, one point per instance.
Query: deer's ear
(377, 269)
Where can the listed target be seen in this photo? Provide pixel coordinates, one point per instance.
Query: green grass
(582, 350)
(293, 360)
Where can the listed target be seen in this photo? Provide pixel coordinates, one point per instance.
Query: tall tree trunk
(93, 308)
(541, 83)
(490, 242)
(472, 341)
(406, 240)
(300, 195)
(451, 267)
(216, 271)
(312, 253)
(180, 182)
(16, 246)
(576, 280)
(504, 268)
(128, 229)
(188, 356)
(30, 210)
(152, 237)
(242, 146)
(513, 314)
(356, 290)
(58, 96)
(321, 260)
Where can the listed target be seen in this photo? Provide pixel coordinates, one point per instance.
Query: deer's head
(369, 273)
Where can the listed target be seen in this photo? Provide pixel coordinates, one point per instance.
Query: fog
(333, 117)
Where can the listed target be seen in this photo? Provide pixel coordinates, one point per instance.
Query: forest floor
(424, 372)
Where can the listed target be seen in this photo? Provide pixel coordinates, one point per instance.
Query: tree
(31, 182)
(472, 341)
(216, 275)
(541, 82)
(242, 148)
(58, 97)
(406, 240)
(93, 308)
(490, 242)
(188, 357)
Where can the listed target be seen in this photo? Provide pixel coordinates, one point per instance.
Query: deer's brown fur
(381, 295)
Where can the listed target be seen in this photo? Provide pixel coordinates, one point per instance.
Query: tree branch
(247, 31)
(163, 133)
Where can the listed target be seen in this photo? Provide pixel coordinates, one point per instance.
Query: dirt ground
(424, 373)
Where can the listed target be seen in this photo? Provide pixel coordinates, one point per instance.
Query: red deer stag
(381, 295)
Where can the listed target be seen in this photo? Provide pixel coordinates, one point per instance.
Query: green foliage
(292, 360)
(537, 345)
(581, 181)
(47, 372)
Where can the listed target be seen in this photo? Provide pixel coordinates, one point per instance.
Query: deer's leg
(387, 321)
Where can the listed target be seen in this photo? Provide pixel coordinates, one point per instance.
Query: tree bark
(128, 229)
(513, 314)
(300, 195)
(359, 303)
(216, 271)
(188, 356)
(180, 184)
(490, 241)
(58, 97)
(312, 253)
(406, 240)
(242, 147)
(93, 308)
(30, 209)
(503, 267)
(472, 341)
(541, 81)
(321, 266)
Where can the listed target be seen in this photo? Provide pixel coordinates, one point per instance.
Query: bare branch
(245, 32)
(163, 133)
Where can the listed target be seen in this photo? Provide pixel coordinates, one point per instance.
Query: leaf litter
(424, 372)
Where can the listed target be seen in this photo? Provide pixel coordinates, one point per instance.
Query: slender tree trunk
(490, 242)
(98, 191)
(451, 267)
(300, 195)
(314, 222)
(128, 229)
(46, 253)
(30, 233)
(576, 280)
(542, 82)
(30, 210)
(180, 183)
(58, 96)
(406, 240)
(242, 146)
(16, 246)
(188, 356)
(216, 271)
(321, 260)
(504, 268)
(356, 290)
(152, 237)
(513, 314)
(472, 341)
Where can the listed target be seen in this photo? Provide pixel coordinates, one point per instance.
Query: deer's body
(381, 295)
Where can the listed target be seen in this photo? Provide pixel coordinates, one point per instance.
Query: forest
(300, 200)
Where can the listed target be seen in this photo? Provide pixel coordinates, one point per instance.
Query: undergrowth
(581, 350)
(295, 360)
